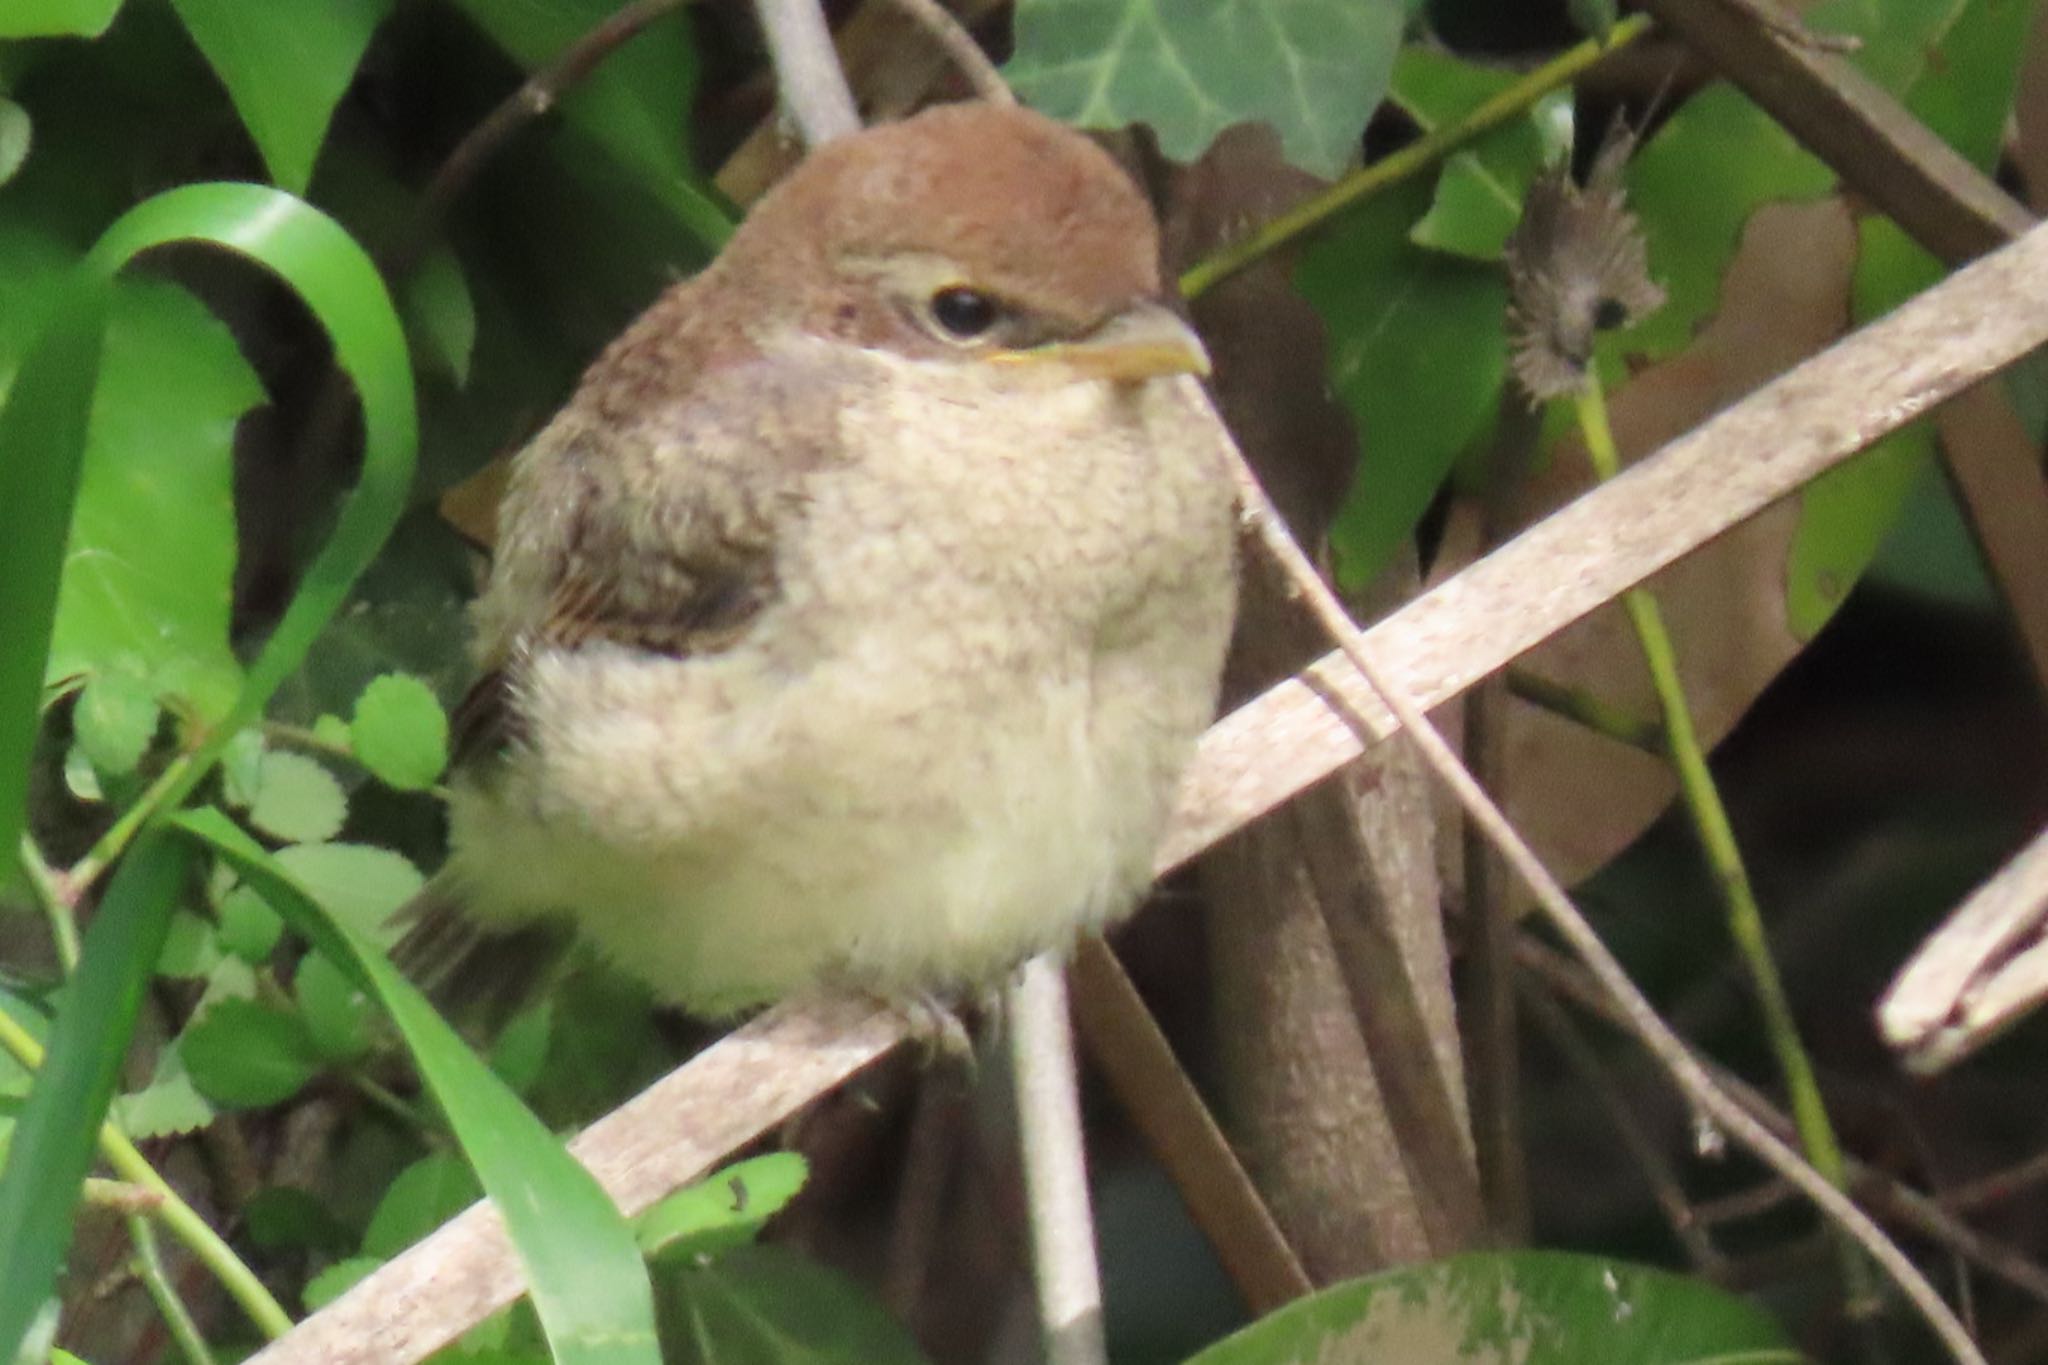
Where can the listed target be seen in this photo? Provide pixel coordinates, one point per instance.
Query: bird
(849, 627)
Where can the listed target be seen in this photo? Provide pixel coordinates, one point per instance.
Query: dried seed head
(1577, 265)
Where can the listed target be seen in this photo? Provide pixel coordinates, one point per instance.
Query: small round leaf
(245, 1055)
(400, 732)
(297, 800)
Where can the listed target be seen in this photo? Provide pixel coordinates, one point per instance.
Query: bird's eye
(964, 314)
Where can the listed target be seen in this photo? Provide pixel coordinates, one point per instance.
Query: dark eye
(1609, 314)
(964, 313)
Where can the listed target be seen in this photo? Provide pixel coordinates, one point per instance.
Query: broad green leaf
(114, 719)
(249, 928)
(1531, 1307)
(297, 800)
(336, 1010)
(724, 1210)
(588, 1283)
(400, 732)
(245, 1055)
(440, 315)
(358, 884)
(56, 18)
(159, 456)
(52, 1145)
(241, 768)
(635, 106)
(1313, 69)
(764, 1305)
(521, 1048)
(285, 64)
(1417, 352)
(425, 1195)
(16, 133)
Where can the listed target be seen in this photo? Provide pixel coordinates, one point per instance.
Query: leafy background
(256, 619)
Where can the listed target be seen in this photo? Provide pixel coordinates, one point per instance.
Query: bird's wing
(659, 533)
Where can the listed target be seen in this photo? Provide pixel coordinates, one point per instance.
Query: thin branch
(537, 95)
(1999, 1186)
(1063, 1259)
(814, 90)
(1413, 159)
(149, 1265)
(950, 34)
(1643, 1019)
(1583, 708)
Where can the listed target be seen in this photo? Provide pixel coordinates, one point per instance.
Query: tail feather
(478, 977)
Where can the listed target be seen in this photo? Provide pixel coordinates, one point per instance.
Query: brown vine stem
(1640, 1017)
(1416, 157)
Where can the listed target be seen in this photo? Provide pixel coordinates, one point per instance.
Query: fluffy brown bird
(851, 624)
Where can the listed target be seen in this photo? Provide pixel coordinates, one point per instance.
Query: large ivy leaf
(1531, 1307)
(1314, 69)
(285, 64)
(635, 106)
(1417, 352)
(149, 569)
(56, 18)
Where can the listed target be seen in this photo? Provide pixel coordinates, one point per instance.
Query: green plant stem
(56, 907)
(1582, 707)
(301, 737)
(150, 1266)
(1416, 157)
(179, 1218)
(1717, 837)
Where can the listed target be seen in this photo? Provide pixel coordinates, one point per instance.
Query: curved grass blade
(582, 1263)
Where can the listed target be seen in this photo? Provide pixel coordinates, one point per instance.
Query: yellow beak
(1145, 341)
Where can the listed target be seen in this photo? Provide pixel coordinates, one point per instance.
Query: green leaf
(336, 1010)
(281, 1216)
(425, 1195)
(635, 106)
(246, 1055)
(587, 1279)
(56, 18)
(159, 455)
(81, 779)
(285, 64)
(521, 1048)
(241, 768)
(189, 947)
(1417, 352)
(440, 315)
(1313, 69)
(724, 1210)
(1479, 192)
(114, 719)
(1595, 18)
(400, 732)
(297, 800)
(249, 928)
(765, 1305)
(361, 886)
(16, 134)
(331, 1283)
(169, 1105)
(1532, 1307)
(52, 1145)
